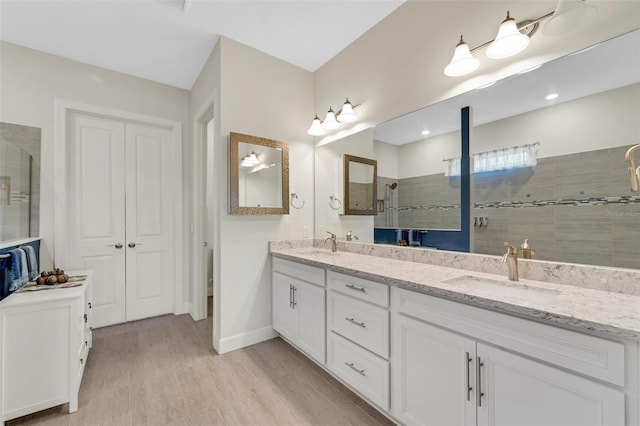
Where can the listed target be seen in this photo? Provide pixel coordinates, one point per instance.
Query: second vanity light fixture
(332, 120)
(513, 37)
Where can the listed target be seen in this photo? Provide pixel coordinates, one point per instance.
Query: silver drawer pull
(351, 320)
(354, 368)
(356, 288)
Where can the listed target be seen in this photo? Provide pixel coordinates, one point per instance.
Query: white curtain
(452, 166)
(499, 159)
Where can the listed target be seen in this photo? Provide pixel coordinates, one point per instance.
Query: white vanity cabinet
(46, 337)
(298, 306)
(445, 372)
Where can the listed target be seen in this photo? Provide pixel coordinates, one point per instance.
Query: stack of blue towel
(22, 268)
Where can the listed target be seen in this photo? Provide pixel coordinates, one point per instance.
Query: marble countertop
(557, 304)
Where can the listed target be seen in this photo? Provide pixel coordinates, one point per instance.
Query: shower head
(634, 173)
(394, 185)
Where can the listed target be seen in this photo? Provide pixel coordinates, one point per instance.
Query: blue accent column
(465, 183)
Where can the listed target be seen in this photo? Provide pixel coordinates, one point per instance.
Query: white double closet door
(121, 216)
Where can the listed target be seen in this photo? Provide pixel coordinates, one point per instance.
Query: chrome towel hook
(294, 196)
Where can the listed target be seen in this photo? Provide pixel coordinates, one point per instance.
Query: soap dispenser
(527, 251)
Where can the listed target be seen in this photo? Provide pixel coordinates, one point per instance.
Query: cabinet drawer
(596, 357)
(360, 369)
(359, 288)
(361, 322)
(300, 271)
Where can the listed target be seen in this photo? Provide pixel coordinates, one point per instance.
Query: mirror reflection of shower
(634, 172)
(390, 202)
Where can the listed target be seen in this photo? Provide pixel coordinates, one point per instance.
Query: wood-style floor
(164, 371)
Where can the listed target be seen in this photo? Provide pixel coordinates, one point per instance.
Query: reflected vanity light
(250, 160)
(332, 120)
(513, 37)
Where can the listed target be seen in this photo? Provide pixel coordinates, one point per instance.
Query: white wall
(30, 82)
(387, 156)
(425, 157)
(262, 96)
(604, 120)
(397, 66)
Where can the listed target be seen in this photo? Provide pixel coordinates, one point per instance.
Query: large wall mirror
(547, 159)
(259, 175)
(19, 182)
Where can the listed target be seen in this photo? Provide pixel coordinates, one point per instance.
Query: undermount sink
(488, 287)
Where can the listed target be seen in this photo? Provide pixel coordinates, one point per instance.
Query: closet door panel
(96, 211)
(150, 200)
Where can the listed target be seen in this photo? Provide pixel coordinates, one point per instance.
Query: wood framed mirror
(259, 175)
(360, 183)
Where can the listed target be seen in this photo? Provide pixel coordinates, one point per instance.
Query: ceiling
(606, 66)
(168, 41)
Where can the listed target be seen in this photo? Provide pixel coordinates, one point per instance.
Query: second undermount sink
(488, 287)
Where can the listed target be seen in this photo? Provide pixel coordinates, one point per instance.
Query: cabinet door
(433, 381)
(309, 305)
(519, 391)
(283, 314)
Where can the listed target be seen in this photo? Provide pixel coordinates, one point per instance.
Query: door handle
(132, 245)
(118, 246)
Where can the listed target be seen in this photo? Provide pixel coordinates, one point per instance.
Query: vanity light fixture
(250, 160)
(513, 37)
(332, 120)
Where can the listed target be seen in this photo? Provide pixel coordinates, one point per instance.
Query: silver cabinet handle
(291, 296)
(467, 385)
(356, 288)
(354, 368)
(293, 300)
(118, 246)
(479, 393)
(351, 320)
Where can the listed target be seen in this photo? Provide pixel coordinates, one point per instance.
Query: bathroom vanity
(432, 344)
(46, 337)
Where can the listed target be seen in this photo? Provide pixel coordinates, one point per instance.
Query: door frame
(199, 175)
(62, 109)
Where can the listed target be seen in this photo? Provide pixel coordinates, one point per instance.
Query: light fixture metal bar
(521, 25)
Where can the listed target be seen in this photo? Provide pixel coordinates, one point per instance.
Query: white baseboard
(249, 338)
(184, 309)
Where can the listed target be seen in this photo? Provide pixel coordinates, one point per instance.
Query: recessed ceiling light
(425, 132)
(551, 96)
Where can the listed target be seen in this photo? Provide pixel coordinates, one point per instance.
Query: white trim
(242, 340)
(62, 108)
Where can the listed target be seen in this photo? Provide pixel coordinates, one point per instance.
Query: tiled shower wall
(423, 202)
(573, 208)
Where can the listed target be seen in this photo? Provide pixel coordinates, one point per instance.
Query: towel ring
(332, 199)
(294, 196)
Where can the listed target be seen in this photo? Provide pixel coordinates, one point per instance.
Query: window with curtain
(499, 159)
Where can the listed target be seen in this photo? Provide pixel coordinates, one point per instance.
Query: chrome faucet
(351, 236)
(511, 258)
(332, 238)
